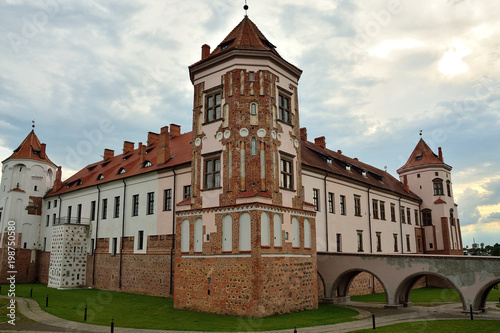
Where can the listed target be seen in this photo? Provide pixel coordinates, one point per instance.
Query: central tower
(247, 243)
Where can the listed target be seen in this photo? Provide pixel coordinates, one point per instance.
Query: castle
(227, 218)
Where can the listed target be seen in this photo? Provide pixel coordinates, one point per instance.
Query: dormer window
(348, 167)
(91, 168)
(329, 160)
(79, 182)
(419, 157)
(147, 164)
(101, 176)
(364, 173)
(104, 164)
(121, 171)
(225, 45)
(126, 157)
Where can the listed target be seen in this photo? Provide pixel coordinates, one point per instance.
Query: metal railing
(71, 220)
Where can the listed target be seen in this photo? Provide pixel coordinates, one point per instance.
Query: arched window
(277, 231)
(265, 230)
(227, 233)
(438, 186)
(448, 188)
(121, 171)
(147, 164)
(295, 232)
(426, 217)
(307, 234)
(185, 236)
(253, 109)
(452, 218)
(245, 232)
(254, 146)
(198, 235)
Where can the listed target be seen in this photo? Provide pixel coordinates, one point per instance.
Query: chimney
(163, 147)
(127, 146)
(356, 159)
(339, 151)
(320, 142)
(175, 130)
(42, 150)
(108, 154)
(303, 133)
(406, 187)
(205, 51)
(142, 152)
(440, 154)
(152, 138)
(58, 182)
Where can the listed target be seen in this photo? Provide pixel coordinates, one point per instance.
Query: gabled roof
(30, 149)
(126, 165)
(338, 164)
(245, 36)
(422, 155)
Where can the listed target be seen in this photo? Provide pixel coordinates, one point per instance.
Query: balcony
(72, 220)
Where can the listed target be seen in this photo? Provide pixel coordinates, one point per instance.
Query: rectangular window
(140, 240)
(379, 241)
(416, 217)
(339, 243)
(167, 199)
(45, 243)
(213, 106)
(54, 219)
(395, 237)
(357, 205)
(316, 199)
(55, 203)
(375, 208)
(48, 205)
(104, 209)
(342, 205)
(360, 240)
(114, 244)
(117, 207)
(69, 214)
(382, 210)
(79, 213)
(212, 172)
(393, 212)
(402, 212)
(47, 223)
(151, 203)
(135, 205)
(187, 191)
(331, 202)
(92, 246)
(286, 168)
(438, 187)
(408, 215)
(284, 108)
(408, 247)
(427, 217)
(92, 210)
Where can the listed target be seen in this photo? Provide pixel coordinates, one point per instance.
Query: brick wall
(43, 262)
(365, 283)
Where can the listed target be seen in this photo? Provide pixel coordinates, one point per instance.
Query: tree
(495, 251)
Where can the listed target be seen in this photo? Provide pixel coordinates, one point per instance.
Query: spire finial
(33, 125)
(420, 133)
(245, 7)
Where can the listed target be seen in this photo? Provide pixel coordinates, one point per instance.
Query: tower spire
(245, 7)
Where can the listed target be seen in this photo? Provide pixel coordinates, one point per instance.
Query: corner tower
(247, 243)
(428, 176)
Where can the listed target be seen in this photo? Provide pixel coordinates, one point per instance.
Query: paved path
(45, 322)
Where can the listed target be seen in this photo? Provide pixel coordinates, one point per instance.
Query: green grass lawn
(426, 295)
(442, 326)
(3, 310)
(139, 311)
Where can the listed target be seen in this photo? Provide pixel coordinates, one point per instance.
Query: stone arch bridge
(473, 277)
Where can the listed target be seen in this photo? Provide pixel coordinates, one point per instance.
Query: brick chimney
(303, 133)
(152, 138)
(108, 154)
(339, 151)
(127, 146)
(163, 146)
(440, 154)
(406, 187)
(205, 51)
(175, 130)
(43, 146)
(58, 182)
(142, 152)
(320, 142)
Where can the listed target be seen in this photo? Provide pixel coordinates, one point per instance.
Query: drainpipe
(401, 225)
(173, 239)
(123, 233)
(326, 210)
(96, 230)
(370, 219)
(60, 204)
(422, 239)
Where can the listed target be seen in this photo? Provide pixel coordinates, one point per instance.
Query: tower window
(426, 217)
(284, 108)
(286, 180)
(251, 76)
(213, 107)
(448, 188)
(187, 191)
(254, 146)
(357, 205)
(253, 109)
(438, 186)
(212, 172)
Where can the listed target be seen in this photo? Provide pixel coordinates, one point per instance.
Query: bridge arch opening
(342, 285)
(482, 295)
(405, 288)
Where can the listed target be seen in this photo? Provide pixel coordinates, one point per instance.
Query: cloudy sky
(95, 73)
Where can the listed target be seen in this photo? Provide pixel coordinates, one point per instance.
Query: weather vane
(420, 133)
(33, 124)
(245, 7)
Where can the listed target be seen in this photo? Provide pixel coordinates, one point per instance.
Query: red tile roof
(439, 201)
(336, 163)
(245, 36)
(30, 149)
(421, 155)
(180, 153)
(252, 193)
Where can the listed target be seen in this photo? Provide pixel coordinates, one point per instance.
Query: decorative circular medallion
(197, 142)
(219, 136)
(227, 134)
(273, 134)
(261, 133)
(243, 132)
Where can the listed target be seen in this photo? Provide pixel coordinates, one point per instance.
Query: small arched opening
(482, 295)
(357, 282)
